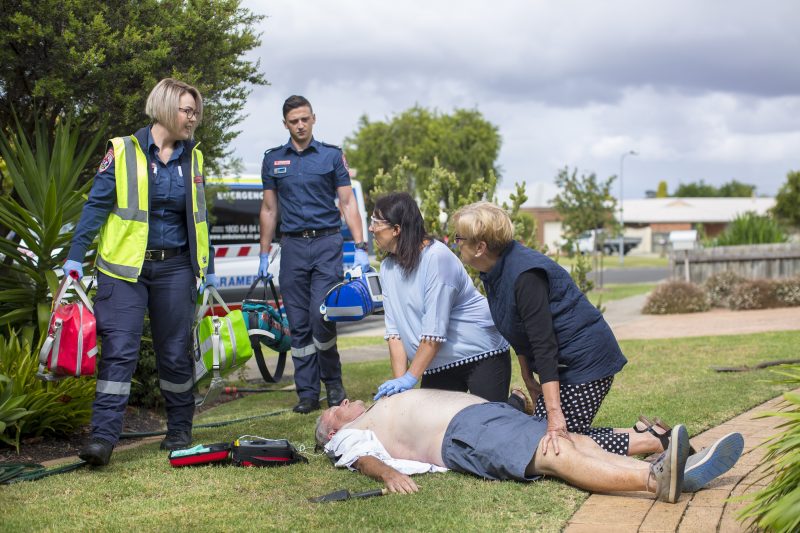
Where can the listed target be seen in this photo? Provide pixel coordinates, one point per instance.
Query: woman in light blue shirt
(438, 326)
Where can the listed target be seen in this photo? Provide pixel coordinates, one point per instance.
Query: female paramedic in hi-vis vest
(438, 325)
(148, 203)
(555, 331)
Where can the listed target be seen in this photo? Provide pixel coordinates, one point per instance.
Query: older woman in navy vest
(555, 331)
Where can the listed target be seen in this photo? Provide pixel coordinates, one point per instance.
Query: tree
(662, 189)
(462, 143)
(97, 61)
(731, 189)
(787, 201)
(524, 223)
(695, 190)
(736, 189)
(584, 203)
(444, 193)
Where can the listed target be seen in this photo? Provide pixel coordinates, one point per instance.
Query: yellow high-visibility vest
(123, 237)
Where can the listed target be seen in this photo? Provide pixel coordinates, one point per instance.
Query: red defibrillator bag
(71, 345)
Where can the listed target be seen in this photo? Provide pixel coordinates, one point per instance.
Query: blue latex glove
(361, 259)
(73, 266)
(263, 264)
(211, 281)
(394, 386)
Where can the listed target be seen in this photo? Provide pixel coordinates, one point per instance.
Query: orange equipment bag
(70, 348)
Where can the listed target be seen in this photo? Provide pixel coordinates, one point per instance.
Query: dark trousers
(309, 268)
(167, 291)
(488, 378)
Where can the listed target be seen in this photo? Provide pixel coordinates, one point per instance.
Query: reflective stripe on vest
(199, 210)
(123, 237)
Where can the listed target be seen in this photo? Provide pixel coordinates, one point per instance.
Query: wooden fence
(769, 261)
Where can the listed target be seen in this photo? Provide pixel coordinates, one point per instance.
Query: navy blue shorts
(493, 441)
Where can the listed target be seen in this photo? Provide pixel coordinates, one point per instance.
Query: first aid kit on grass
(247, 450)
(70, 348)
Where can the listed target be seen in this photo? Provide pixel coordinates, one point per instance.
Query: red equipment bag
(201, 455)
(71, 345)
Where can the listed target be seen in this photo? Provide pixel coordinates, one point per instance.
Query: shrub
(787, 292)
(36, 219)
(53, 407)
(750, 228)
(676, 297)
(776, 507)
(754, 294)
(720, 285)
(10, 410)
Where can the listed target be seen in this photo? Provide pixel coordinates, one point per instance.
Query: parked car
(235, 203)
(597, 240)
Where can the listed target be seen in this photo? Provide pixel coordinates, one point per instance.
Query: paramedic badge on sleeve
(107, 160)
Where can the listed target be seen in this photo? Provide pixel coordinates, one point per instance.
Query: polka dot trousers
(580, 403)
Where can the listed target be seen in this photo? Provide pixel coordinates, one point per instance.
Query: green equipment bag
(221, 343)
(267, 325)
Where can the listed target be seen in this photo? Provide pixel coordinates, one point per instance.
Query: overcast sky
(701, 90)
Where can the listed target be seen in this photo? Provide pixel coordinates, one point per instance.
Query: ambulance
(234, 204)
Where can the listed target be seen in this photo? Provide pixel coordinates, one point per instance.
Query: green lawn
(618, 291)
(612, 261)
(139, 491)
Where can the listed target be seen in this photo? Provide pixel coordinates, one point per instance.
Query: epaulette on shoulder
(268, 150)
(331, 145)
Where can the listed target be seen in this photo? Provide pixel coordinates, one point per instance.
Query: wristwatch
(361, 246)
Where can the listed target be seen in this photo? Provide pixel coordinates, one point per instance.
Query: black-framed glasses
(188, 111)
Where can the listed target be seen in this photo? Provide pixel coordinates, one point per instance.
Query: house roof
(663, 210)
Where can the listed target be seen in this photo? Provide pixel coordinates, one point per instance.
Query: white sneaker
(710, 463)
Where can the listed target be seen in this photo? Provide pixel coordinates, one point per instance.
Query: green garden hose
(16, 472)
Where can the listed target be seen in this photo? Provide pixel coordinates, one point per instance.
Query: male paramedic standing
(302, 179)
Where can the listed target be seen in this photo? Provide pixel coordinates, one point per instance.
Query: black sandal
(520, 401)
(650, 427)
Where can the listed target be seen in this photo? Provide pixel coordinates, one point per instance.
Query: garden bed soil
(49, 447)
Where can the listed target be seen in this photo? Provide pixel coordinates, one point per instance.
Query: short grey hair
(164, 100)
(321, 432)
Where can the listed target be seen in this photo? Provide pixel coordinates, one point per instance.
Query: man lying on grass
(424, 430)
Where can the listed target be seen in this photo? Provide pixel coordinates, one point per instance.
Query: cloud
(701, 90)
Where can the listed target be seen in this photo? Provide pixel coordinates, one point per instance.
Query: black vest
(587, 349)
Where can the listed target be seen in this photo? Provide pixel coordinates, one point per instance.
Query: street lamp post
(621, 214)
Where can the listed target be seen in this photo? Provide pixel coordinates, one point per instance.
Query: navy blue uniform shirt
(167, 222)
(306, 184)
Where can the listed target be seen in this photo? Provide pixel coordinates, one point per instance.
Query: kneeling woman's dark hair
(400, 209)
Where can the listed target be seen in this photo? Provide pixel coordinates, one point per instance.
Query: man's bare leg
(584, 464)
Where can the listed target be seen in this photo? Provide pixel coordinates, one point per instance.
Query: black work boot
(306, 405)
(176, 439)
(97, 452)
(336, 393)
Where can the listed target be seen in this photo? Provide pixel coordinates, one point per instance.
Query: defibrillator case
(265, 452)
